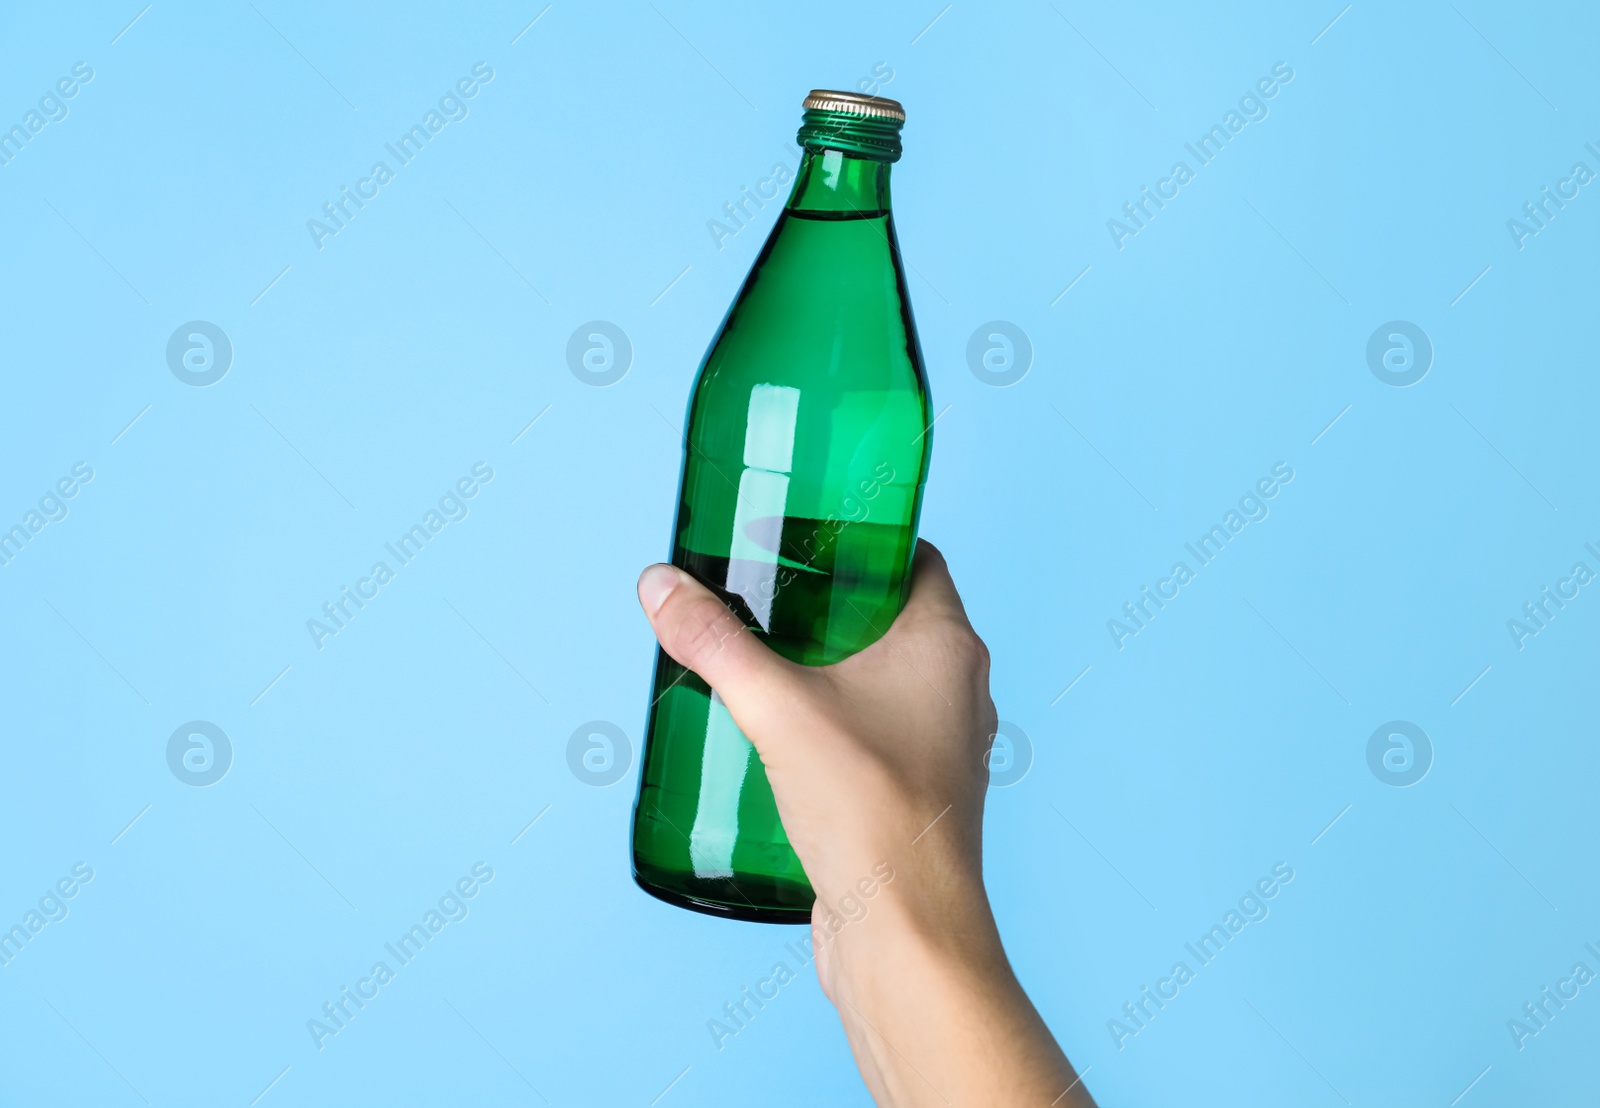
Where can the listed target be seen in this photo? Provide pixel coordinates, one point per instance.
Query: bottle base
(725, 899)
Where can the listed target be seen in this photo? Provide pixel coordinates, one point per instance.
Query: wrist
(934, 1012)
(932, 924)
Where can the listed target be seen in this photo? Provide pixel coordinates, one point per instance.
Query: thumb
(699, 632)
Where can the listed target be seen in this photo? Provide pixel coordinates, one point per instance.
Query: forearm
(935, 1015)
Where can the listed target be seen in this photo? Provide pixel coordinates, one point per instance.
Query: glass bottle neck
(833, 181)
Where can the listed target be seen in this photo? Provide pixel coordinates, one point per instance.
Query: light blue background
(424, 737)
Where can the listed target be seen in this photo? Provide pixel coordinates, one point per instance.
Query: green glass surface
(807, 446)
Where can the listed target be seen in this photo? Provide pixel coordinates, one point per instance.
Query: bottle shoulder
(825, 308)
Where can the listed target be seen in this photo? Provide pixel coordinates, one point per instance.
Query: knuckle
(969, 651)
(691, 644)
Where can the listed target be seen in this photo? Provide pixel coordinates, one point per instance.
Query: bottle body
(806, 451)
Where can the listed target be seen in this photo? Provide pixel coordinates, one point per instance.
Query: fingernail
(655, 583)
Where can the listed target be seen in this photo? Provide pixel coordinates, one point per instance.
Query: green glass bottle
(806, 451)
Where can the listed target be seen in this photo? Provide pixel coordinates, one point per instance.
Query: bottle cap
(866, 126)
(880, 107)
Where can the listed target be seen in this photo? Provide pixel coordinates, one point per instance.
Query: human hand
(877, 767)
